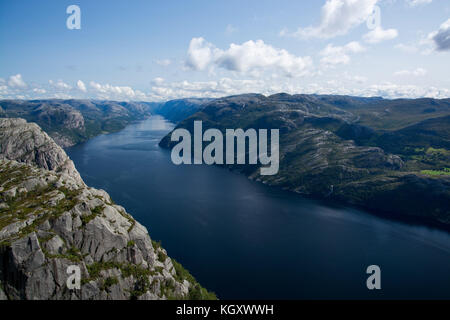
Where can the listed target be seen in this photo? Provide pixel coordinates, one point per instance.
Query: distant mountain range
(70, 122)
(179, 109)
(390, 156)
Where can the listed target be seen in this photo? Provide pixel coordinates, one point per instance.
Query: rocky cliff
(28, 143)
(50, 220)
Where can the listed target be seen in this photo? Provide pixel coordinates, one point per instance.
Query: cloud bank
(338, 17)
(379, 34)
(251, 57)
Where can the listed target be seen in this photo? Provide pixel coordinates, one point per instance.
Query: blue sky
(160, 50)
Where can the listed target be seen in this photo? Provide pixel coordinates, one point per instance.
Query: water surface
(242, 239)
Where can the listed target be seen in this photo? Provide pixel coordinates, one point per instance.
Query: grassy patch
(141, 275)
(110, 281)
(161, 256)
(73, 254)
(94, 213)
(156, 244)
(444, 172)
(440, 151)
(196, 291)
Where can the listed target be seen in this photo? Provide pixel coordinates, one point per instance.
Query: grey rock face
(3, 295)
(56, 221)
(27, 142)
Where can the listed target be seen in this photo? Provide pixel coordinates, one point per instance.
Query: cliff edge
(50, 221)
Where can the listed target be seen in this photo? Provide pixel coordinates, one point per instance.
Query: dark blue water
(242, 239)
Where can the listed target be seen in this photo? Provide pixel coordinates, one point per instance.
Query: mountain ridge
(73, 121)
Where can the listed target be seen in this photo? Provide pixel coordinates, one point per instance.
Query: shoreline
(385, 214)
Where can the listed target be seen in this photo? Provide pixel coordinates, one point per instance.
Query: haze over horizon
(156, 51)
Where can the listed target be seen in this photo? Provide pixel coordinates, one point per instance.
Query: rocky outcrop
(27, 142)
(50, 221)
(66, 116)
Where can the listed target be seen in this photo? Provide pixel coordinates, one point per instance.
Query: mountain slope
(179, 109)
(70, 122)
(327, 153)
(50, 220)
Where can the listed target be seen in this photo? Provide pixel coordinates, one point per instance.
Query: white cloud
(354, 47)
(200, 54)
(163, 90)
(441, 37)
(415, 3)
(39, 91)
(379, 34)
(249, 57)
(4, 89)
(16, 81)
(284, 32)
(253, 55)
(109, 92)
(216, 88)
(425, 45)
(391, 90)
(59, 85)
(164, 62)
(355, 78)
(230, 29)
(337, 18)
(81, 86)
(158, 80)
(60, 95)
(419, 72)
(345, 85)
(409, 48)
(16, 88)
(334, 55)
